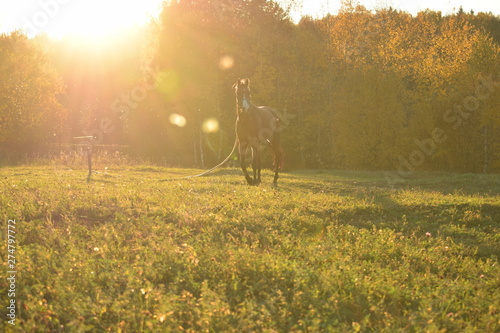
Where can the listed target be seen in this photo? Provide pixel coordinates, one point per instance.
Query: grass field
(328, 251)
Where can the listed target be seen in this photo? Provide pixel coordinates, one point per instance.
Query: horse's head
(242, 89)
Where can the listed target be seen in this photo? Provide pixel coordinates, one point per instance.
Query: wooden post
(89, 153)
(89, 161)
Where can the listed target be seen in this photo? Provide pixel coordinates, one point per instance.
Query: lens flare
(177, 120)
(210, 125)
(226, 62)
(168, 84)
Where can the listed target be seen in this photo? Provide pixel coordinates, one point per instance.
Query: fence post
(89, 161)
(89, 152)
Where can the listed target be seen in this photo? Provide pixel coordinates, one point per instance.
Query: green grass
(326, 251)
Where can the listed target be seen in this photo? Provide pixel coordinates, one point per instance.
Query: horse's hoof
(250, 181)
(256, 182)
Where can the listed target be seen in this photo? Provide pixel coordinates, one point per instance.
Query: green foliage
(363, 86)
(399, 76)
(31, 115)
(327, 251)
(369, 119)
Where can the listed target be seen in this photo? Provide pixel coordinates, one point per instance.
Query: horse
(256, 126)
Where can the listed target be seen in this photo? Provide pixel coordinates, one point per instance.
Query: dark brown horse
(256, 126)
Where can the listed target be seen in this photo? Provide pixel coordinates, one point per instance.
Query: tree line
(380, 90)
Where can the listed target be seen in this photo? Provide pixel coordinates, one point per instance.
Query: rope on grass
(208, 171)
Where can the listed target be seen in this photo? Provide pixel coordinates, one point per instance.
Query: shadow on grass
(473, 226)
(466, 211)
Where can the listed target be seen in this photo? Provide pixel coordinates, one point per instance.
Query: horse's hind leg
(243, 163)
(276, 168)
(256, 165)
(278, 157)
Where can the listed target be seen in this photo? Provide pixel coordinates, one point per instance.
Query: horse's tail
(277, 148)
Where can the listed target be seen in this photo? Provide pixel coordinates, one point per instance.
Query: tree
(196, 36)
(31, 116)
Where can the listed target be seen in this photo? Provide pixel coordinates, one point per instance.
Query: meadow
(326, 251)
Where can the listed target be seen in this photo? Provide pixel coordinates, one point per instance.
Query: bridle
(243, 99)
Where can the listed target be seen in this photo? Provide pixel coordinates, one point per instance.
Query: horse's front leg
(242, 151)
(256, 165)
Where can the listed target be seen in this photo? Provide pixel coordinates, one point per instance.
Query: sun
(91, 18)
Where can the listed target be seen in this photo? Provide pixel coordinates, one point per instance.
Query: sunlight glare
(177, 120)
(168, 84)
(97, 19)
(226, 62)
(210, 125)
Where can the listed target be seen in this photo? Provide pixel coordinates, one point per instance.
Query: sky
(95, 18)
(85, 17)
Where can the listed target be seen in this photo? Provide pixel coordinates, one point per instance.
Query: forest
(357, 90)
